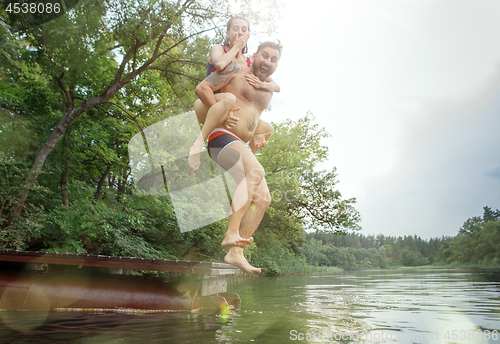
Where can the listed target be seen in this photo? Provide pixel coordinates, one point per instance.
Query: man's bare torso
(252, 102)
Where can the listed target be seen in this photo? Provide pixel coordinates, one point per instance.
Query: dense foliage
(356, 251)
(478, 241)
(301, 197)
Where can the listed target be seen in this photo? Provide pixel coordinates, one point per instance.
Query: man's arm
(215, 81)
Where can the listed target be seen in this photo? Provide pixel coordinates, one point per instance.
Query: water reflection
(404, 306)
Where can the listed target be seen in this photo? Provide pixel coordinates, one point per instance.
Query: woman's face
(238, 28)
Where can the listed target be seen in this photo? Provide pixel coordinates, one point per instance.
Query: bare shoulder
(223, 77)
(216, 52)
(217, 49)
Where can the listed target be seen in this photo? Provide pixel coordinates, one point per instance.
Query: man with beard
(229, 148)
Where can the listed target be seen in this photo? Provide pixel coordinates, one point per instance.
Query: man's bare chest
(246, 93)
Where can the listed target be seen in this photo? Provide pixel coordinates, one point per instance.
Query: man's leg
(244, 168)
(249, 223)
(215, 116)
(251, 219)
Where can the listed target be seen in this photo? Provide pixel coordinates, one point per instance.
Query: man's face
(265, 62)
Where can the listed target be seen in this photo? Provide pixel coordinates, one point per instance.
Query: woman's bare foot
(231, 241)
(194, 155)
(259, 141)
(235, 257)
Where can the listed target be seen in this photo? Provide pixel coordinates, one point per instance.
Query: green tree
(301, 197)
(78, 52)
(488, 241)
(298, 191)
(490, 215)
(315, 251)
(471, 226)
(409, 258)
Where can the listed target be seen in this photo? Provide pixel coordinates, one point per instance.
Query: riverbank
(493, 264)
(487, 264)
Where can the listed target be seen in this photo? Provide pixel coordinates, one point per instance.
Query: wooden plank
(132, 263)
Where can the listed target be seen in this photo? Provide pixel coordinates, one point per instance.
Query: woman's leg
(201, 110)
(214, 118)
(263, 128)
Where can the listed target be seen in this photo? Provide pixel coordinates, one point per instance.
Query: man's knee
(266, 198)
(263, 196)
(256, 174)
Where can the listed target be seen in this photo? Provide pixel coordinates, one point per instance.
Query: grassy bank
(487, 264)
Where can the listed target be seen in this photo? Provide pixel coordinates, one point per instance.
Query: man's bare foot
(235, 257)
(235, 241)
(194, 156)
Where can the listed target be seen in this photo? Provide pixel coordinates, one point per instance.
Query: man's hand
(256, 82)
(231, 120)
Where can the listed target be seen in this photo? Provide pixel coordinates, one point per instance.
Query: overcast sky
(410, 92)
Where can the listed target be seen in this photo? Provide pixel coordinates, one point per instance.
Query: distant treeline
(477, 243)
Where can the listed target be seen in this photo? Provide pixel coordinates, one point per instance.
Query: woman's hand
(240, 42)
(256, 82)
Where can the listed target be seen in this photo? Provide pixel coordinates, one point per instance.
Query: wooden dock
(32, 280)
(131, 263)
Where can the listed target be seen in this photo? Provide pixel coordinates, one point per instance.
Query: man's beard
(266, 71)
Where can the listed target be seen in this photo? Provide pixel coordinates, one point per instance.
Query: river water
(389, 306)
